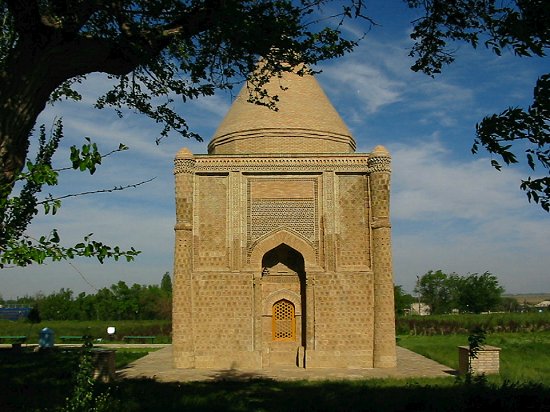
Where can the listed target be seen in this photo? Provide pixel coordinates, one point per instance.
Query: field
(97, 329)
(530, 298)
(37, 382)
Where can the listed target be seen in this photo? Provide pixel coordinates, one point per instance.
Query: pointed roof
(305, 122)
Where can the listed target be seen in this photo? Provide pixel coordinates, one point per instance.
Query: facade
(283, 241)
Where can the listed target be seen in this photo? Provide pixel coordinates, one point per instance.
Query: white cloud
(430, 181)
(368, 85)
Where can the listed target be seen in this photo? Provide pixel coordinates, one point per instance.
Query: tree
(403, 300)
(509, 304)
(34, 315)
(153, 50)
(522, 26)
(57, 306)
(472, 293)
(435, 289)
(478, 293)
(166, 283)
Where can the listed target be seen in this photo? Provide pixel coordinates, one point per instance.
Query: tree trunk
(27, 82)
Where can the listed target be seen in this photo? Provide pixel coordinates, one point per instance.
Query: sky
(450, 209)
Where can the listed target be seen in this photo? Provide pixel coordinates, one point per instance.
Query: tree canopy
(155, 51)
(472, 293)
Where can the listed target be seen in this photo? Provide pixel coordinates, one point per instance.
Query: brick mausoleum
(283, 241)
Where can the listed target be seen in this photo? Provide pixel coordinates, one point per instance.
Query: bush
(461, 324)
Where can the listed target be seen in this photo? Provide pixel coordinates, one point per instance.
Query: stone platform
(158, 365)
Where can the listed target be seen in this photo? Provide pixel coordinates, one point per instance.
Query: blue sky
(450, 209)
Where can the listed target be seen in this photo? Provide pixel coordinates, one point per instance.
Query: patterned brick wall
(211, 222)
(343, 312)
(353, 239)
(222, 309)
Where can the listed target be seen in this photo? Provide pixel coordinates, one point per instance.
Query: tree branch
(91, 192)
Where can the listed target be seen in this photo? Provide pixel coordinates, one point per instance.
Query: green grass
(125, 356)
(524, 356)
(97, 329)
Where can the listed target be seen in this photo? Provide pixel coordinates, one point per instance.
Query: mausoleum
(283, 241)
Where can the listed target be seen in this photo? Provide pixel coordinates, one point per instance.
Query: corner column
(384, 315)
(182, 316)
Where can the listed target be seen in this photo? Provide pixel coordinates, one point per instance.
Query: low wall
(487, 360)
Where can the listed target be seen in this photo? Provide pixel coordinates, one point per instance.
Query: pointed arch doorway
(283, 281)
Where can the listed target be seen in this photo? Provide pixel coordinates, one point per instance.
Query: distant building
(421, 309)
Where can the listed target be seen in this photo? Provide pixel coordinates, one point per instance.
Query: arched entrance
(283, 283)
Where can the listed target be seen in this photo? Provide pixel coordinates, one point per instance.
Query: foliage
(461, 324)
(522, 26)
(97, 329)
(478, 293)
(471, 293)
(115, 303)
(497, 133)
(476, 339)
(402, 300)
(435, 290)
(166, 283)
(34, 315)
(156, 50)
(509, 304)
(18, 209)
(83, 397)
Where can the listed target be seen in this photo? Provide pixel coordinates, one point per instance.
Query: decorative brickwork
(353, 239)
(222, 311)
(283, 243)
(211, 221)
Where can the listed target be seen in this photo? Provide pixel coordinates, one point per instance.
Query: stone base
(103, 362)
(487, 361)
(299, 358)
(218, 360)
(339, 359)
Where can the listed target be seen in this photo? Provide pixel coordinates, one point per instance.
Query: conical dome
(305, 122)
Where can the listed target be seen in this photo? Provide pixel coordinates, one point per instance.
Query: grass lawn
(524, 356)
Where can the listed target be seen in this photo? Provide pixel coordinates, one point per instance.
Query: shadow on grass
(42, 381)
(268, 395)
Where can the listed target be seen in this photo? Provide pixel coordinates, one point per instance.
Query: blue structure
(14, 313)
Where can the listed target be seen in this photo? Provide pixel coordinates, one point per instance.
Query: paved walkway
(158, 365)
